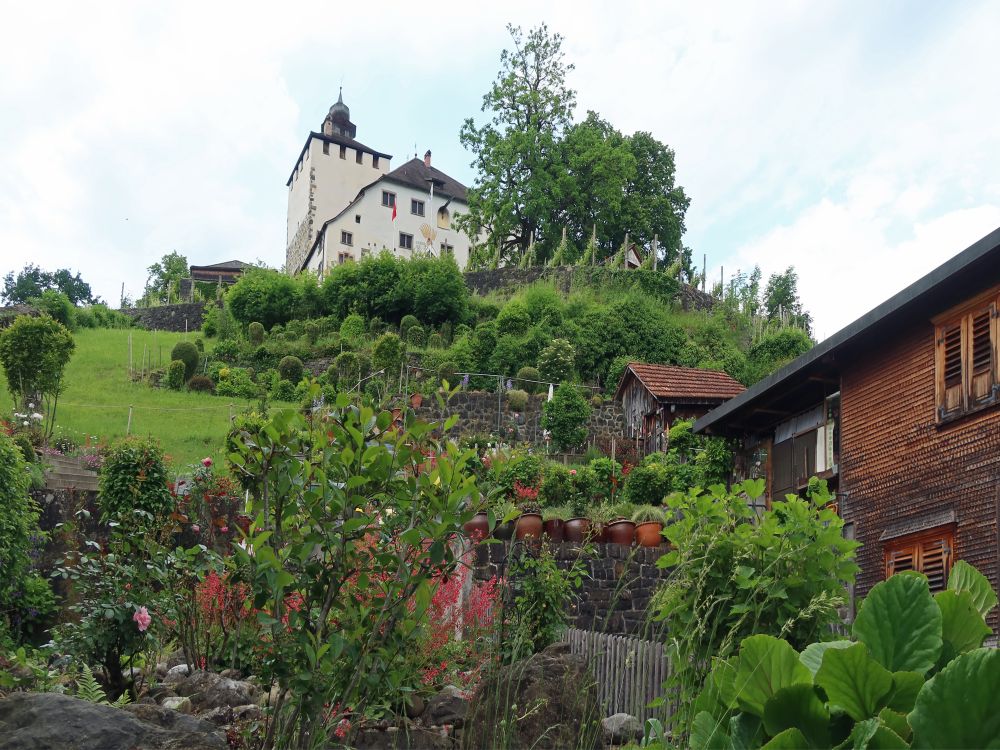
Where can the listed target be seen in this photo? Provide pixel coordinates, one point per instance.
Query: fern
(122, 700)
(88, 689)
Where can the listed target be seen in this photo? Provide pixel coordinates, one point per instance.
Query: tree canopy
(31, 282)
(165, 275)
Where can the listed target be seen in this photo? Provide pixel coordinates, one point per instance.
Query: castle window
(388, 199)
(444, 219)
(966, 354)
(343, 152)
(416, 207)
(342, 258)
(346, 238)
(375, 161)
(360, 156)
(326, 147)
(357, 218)
(405, 241)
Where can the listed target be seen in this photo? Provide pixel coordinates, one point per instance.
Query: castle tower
(331, 170)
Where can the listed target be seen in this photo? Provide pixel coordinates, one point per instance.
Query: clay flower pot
(576, 530)
(648, 534)
(504, 531)
(621, 531)
(478, 528)
(528, 526)
(554, 530)
(416, 399)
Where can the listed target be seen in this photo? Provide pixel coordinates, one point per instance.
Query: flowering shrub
(134, 477)
(207, 508)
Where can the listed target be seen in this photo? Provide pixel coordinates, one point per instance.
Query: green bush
(353, 329)
(415, 336)
(290, 368)
(346, 369)
(914, 675)
(311, 331)
(513, 319)
(246, 425)
(175, 375)
(407, 322)
(255, 332)
(56, 305)
(557, 486)
(435, 341)
(23, 443)
(542, 603)
(517, 399)
(284, 390)
(387, 354)
(201, 384)
(34, 353)
(264, 295)
(525, 378)
(556, 360)
(609, 478)
(565, 416)
(199, 344)
(187, 353)
(447, 373)
(649, 482)
(238, 384)
(134, 477)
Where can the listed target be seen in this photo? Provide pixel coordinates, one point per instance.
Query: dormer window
(965, 367)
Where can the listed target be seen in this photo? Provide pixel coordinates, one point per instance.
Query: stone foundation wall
(169, 317)
(618, 583)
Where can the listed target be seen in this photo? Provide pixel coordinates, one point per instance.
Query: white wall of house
(370, 228)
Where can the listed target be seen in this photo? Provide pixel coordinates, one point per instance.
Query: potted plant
(577, 527)
(649, 525)
(478, 527)
(553, 520)
(600, 517)
(621, 530)
(529, 523)
(416, 399)
(505, 512)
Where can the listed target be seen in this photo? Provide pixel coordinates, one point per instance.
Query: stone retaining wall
(182, 317)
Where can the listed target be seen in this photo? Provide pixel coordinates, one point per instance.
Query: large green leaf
(957, 708)
(871, 734)
(964, 577)
(708, 733)
(905, 687)
(812, 655)
(719, 694)
(854, 681)
(900, 623)
(746, 732)
(798, 706)
(896, 722)
(962, 626)
(790, 739)
(766, 664)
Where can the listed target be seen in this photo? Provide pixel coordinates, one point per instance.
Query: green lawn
(98, 395)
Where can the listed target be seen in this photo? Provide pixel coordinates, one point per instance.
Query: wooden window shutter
(950, 380)
(935, 561)
(900, 559)
(983, 356)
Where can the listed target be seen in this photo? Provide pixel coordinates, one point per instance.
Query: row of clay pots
(531, 526)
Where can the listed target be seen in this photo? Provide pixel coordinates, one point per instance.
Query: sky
(856, 141)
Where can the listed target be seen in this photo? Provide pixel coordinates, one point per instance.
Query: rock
(161, 670)
(211, 690)
(415, 706)
(177, 657)
(249, 712)
(176, 673)
(159, 692)
(270, 698)
(553, 695)
(232, 674)
(49, 721)
(621, 729)
(178, 703)
(410, 738)
(219, 716)
(447, 707)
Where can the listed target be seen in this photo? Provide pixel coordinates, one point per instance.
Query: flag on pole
(394, 210)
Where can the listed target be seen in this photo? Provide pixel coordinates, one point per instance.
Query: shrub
(387, 354)
(435, 341)
(542, 603)
(556, 360)
(229, 351)
(290, 368)
(23, 443)
(210, 321)
(284, 390)
(557, 486)
(565, 416)
(56, 305)
(649, 482)
(199, 343)
(408, 322)
(513, 319)
(375, 326)
(34, 353)
(187, 353)
(517, 399)
(238, 384)
(415, 336)
(437, 287)
(245, 425)
(346, 369)
(264, 295)
(447, 373)
(353, 329)
(175, 375)
(134, 477)
(525, 378)
(255, 332)
(609, 478)
(201, 384)
(311, 331)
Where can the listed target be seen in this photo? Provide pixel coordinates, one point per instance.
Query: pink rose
(142, 619)
(572, 472)
(224, 529)
(195, 528)
(206, 462)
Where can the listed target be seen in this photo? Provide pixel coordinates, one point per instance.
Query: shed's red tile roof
(672, 381)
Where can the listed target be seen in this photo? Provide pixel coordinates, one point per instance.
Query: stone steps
(66, 473)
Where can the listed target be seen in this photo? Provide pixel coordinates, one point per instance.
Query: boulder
(621, 729)
(210, 690)
(249, 712)
(49, 721)
(447, 707)
(178, 703)
(548, 700)
(176, 673)
(407, 738)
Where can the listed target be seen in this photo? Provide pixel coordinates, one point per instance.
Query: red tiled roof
(671, 381)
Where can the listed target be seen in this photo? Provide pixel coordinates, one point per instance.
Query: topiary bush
(187, 353)
(387, 354)
(415, 336)
(238, 384)
(199, 344)
(513, 319)
(524, 379)
(447, 373)
(435, 341)
(175, 375)
(353, 328)
(517, 399)
(346, 369)
(565, 416)
(134, 477)
(290, 368)
(650, 481)
(255, 332)
(311, 331)
(201, 384)
(284, 390)
(407, 322)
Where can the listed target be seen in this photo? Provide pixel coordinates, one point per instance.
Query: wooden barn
(653, 397)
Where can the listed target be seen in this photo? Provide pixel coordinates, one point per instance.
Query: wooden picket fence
(629, 671)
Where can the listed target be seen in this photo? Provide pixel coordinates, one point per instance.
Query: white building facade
(342, 195)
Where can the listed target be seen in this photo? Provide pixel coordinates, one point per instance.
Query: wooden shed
(654, 396)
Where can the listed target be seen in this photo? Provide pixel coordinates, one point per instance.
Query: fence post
(128, 427)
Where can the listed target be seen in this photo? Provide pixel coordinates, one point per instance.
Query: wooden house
(900, 411)
(654, 396)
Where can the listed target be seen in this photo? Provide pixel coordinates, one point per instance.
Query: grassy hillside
(98, 396)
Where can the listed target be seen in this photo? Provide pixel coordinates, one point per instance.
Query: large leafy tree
(517, 150)
(781, 300)
(31, 282)
(34, 352)
(164, 278)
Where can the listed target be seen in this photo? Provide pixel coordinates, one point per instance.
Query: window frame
(957, 335)
(405, 241)
(388, 199)
(375, 161)
(360, 158)
(343, 151)
(346, 238)
(414, 203)
(917, 544)
(326, 148)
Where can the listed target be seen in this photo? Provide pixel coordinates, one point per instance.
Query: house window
(343, 152)
(359, 157)
(966, 359)
(447, 249)
(388, 199)
(405, 241)
(346, 238)
(326, 148)
(444, 219)
(357, 218)
(416, 207)
(342, 258)
(375, 161)
(930, 553)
